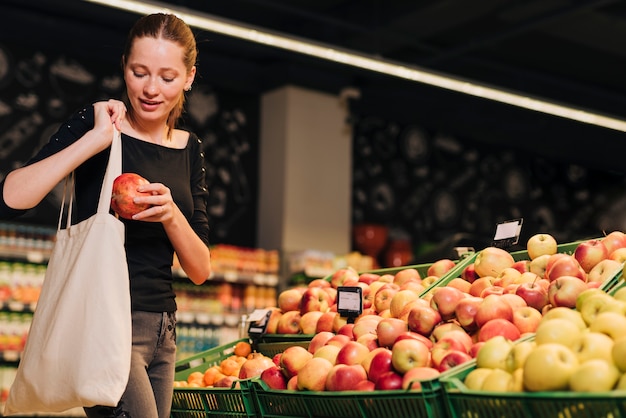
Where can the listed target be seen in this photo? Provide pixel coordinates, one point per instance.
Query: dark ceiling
(568, 51)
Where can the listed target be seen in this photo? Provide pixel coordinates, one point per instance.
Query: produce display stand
(272, 403)
(462, 402)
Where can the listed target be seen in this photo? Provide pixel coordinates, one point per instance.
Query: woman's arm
(25, 187)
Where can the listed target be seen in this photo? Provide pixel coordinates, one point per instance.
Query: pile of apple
(581, 350)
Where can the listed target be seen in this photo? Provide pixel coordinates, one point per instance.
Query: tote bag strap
(114, 169)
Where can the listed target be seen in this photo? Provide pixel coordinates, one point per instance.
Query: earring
(188, 88)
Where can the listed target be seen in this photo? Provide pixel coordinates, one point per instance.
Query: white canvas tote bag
(79, 344)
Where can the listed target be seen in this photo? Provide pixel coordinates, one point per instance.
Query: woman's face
(155, 77)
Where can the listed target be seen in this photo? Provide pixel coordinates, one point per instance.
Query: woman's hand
(108, 114)
(163, 208)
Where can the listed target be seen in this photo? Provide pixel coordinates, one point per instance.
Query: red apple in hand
(124, 191)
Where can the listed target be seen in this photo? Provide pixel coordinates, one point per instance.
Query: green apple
(618, 353)
(586, 294)
(558, 331)
(474, 379)
(518, 380)
(566, 313)
(549, 367)
(614, 305)
(593, 345)
(591, 305)
(521, 350)
(596, 375)
(620, 294)
(498, 381)
(612, 324)
(621, 383)
(496, 353)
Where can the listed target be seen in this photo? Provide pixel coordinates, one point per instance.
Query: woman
(159, 66)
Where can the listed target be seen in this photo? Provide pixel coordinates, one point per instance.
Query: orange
(230, 367)
(195, 376)
(243, 348)
(210, 374)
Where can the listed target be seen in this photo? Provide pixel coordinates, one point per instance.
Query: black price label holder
(507, 233)
(258, 321)
(349, 302)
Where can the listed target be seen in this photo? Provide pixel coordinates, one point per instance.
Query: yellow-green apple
(345, 377)
(441, 348)
(386, 278)
(409, 353)
(452, 359)
(498, 381)
(428, 281)
(565, 313)
(620, 293)
(319, 340)
(614, 240)
(541, 244)
(614, 305)
(533, 294)
(465, 312)
(423, 319)
(410, 334)
(329, 352)
(549, 367)
(618, 353)
(443, 328)
(289, 299)
(404, 313)
(274, 378)
(390, 380)
(604, 270)
(491, 261)
(367, 362)
(481, 284)
(461, 284)
(313, 375)
(515, 301)
(325, 321)
(388, 330)
(593, 345)
(308, 322)
(589, 253)
(379, 364)
(526, 319)
(440, 267)
(272, 322)
(339, 340)
(498, 326)
(314, 299)
(580, 300)
(557, 331)
(621, 383)
(612, 324)
(352, 353)
(383, 296)
(368, 340)
(289, 323)
(564, 290)
(346, 329)
(400, 299)
(619, 255)
(293, 359)
(469, 273)
(475, 378)
(566, 265)
(406, 275)
(538, 265)
(507, 276)
(496, 353)
(338, 322)
(520, 352)
(368, 278)
(596, 375)
(412, 379)
(493, 306)
(339, 277)
(445, 299)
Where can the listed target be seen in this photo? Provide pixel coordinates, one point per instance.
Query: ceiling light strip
(330, 53)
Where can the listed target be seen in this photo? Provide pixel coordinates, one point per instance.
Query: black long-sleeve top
(148, 250)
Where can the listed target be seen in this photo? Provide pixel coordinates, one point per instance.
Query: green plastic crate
(210, 402)
(462, 402)
(272, 403)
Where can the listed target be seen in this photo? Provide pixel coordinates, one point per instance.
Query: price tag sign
(350, 301)
(258, 322)
(507, 233)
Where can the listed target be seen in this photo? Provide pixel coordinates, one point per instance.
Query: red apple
(352, 353)
(409, 353)
(493, 306)
(293, 359)
(404, 313)
(388, 330)
(534, 294)
(314, 299)
(481, 284)
(319, 340)
(523, 266)
(514, 300)
(272, 322)
(614, 240)
(469, 273)
(498, 326)
(458, 336)
(442, 348)
(492, 290)
(367, 362)
(440, 267)
(400, 299)
(369, 340)
(379, 364)
(345, 377)
(325, 321)
(346, 329)
(274, 378)
(390, 380)
(365, 325)
(339, 340)
(289, 323)
(465, 312)
(444, 300)
(526, 319)
(125, 191)
(461, 284)
(566, 265)
(383, 296)
(312, 376)
(416, 336)
(406, 275)
(475, 348)
(564, 290)
(340, 276)
(308, 322)
(411, 380)
(589, 253)
(365, 386)
(289, 299)
(453, 358)
(368, 278)
(319, 283)
(423, 319)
